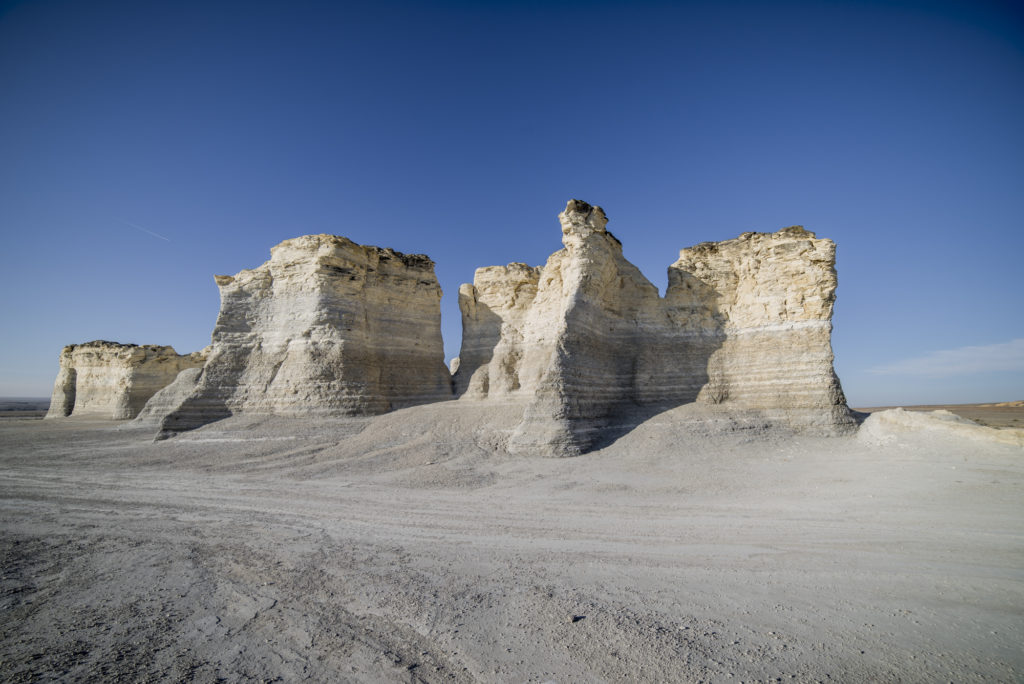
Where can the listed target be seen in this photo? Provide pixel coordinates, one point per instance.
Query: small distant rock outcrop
(326, 327)
(112, 380)
(586, 340)
(892, 425)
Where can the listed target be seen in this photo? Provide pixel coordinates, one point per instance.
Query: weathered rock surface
(326, 327)
(770, 297)
(587, 346)
(494, 310)
(113, 380)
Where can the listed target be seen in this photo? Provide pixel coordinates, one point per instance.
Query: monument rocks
(580, 348)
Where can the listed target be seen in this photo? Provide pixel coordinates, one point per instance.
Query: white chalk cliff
(112, 380)
(326, 327)
(587, 346)
(771, 297)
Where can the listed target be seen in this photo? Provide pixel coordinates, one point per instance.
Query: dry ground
(406, 548)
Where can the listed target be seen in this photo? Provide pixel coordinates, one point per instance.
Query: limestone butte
(112, 380)
(586, 345)
(325, 327)
(771, 296)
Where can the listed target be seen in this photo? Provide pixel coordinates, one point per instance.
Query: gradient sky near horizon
(146, 146)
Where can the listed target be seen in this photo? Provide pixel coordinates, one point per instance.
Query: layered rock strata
(771, 296)
(113, 380)
(587, 346)
(326, 327)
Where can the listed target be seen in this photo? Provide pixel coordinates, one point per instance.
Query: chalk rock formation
(494, 310)
(326, 327)
(586, 344)
(770, 296)
(112, 380)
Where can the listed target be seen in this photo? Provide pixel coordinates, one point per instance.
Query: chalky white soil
(406, 548)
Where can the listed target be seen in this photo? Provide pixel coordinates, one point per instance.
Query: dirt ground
(407, 548)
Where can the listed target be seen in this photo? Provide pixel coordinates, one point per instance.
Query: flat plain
(408, 547)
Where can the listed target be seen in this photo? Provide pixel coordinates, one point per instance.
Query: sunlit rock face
(586, 346)
(772, 296)
(326, 327)
(112, 380)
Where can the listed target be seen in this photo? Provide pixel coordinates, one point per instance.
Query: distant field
(1008, 414)
(23, 407)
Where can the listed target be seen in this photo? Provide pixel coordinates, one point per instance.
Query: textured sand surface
(405, 548)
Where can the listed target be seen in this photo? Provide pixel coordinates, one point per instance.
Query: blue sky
(146, 146)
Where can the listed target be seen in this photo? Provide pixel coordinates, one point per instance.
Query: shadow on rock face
(477, 353)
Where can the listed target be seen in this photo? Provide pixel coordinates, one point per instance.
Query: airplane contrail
(156, 235)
